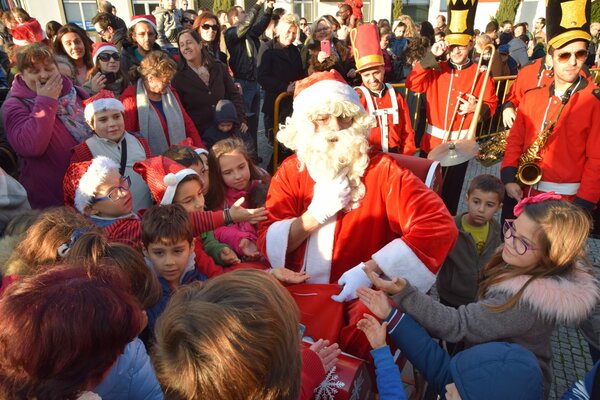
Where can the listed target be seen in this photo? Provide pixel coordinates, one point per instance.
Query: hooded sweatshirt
(168, 26)
(224, 112)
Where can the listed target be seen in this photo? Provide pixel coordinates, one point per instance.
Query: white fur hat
(82, 180)
(322, 87)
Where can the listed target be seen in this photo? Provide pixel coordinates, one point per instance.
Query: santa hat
(143, 18)
(162, 175)
(101, 101)
(82, 180)
(320, 88)
(100, 47)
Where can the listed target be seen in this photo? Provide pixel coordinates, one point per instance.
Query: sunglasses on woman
(107, 56)
(209, 26)
(580, 55)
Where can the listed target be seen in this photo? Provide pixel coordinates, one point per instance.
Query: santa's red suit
(570, 160)
(442, 89)
(400, 134)
(401, 224)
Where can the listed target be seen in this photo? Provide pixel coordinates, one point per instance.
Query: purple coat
(41, 141)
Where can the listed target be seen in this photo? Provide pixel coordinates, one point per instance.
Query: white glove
(330, 197)
(352, 279)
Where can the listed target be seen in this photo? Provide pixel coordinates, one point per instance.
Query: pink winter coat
(41, 141)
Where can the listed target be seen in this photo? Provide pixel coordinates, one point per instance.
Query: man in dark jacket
(142, 33)
(108, 30)
(242, 41)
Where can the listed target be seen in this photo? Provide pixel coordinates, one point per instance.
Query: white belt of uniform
(382, 113)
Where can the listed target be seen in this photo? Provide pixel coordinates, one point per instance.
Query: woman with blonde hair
(153, 107)
(538, 279)
(411, 30)
(279, 67)
(317, 56)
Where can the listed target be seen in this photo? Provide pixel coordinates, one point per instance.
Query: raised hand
(376, 301)
(52, 88)
(286, 275)
(98, 82)
(326, 352)
(228, 256)
(241, 214)
(249, 249)
(390, 287)
(329, 197)
(373, 330)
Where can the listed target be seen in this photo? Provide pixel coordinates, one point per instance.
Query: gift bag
(322, 317)
(349, 379)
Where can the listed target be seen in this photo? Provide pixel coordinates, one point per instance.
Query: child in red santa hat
(97, 190)
(172, 183)
(26, 30)
(104, 114)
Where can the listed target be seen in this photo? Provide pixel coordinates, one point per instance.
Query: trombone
(456, 152)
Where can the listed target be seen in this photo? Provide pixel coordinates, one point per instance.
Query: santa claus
(337, 210)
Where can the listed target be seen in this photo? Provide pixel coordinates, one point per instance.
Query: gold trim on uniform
(458, 21)
(573, 14)
(576, 34)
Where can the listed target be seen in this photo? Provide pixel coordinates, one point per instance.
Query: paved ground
(571, 356)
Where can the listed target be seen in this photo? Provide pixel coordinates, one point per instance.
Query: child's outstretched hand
(249, 249)
(375, 300)
(326, 352)
(228, 256)
(390, 287)
(241, 214)
(286, 275)
(373, 330)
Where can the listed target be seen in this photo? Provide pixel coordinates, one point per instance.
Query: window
(81, 12)
(417, 9)
(304, 8)
(144, 7)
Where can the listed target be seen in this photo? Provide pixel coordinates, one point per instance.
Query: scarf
(150, 123)
(70, 113)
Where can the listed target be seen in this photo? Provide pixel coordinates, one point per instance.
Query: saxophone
(529, 172)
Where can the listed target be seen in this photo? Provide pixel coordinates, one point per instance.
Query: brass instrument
(456, 152)
(492, 150)
(529, 172)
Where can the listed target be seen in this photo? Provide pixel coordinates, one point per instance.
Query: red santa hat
(82, 179)
(321, 88)
(26, 33)
(162, 175)
(101, 101)
(143, 18)
(100, 47)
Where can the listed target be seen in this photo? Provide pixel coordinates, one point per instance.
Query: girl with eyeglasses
(540, 278)
(107, 72)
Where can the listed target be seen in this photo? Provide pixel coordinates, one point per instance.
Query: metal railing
(485, 129)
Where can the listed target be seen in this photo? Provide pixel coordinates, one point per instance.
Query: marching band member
(445, 83)
(393, 133)
(556, 127)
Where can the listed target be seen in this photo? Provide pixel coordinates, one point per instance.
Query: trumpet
(451, 153)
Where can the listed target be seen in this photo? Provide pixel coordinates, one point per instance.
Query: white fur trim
(397, 259)
(102, 105)
(171, 182)
(200, 150)
(319, 252)
(89, 182)
(106, 47)
(327, 90)
(20, 42)
(136, 20)
(277, 242)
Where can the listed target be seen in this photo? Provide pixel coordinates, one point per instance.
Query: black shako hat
(461, 21)
(566, 21)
